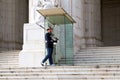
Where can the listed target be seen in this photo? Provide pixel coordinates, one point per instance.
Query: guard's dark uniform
(49, 47)
(49, 40)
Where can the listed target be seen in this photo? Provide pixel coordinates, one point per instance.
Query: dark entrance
(111, 22)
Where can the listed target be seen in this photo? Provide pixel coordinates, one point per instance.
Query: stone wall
(111, 22)
(13, 13)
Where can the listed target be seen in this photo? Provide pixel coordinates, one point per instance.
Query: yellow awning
(57, 16)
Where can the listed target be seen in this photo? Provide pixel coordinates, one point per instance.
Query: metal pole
(72, 46)
(44, 35)
(65, 38)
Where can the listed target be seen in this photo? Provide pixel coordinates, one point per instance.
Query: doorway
(111, 22)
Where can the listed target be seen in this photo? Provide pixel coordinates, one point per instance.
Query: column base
(31, 58)
(33, 47)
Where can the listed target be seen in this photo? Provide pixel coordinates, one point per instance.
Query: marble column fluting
(75, 9)
(79, 27)
(13, 15)
(1, 25)
(93, 23)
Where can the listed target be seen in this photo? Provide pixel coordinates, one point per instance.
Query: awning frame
(56, 12)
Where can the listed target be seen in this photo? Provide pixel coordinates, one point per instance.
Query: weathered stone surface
(13, 14)
(34, 46)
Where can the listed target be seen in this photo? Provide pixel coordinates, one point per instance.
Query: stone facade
(97, 22)
(13, 14)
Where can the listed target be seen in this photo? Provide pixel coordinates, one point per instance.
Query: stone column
(78, 15)
(13, 13)
(33, 50)
(92, 22)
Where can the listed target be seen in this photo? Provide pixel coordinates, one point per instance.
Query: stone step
(93, 64)
(14, 54)
(90, 73)
(71, 77)
(92, 59)
(82, 63)
(61, 73)
(108, 47)
(87, 52)
(101, 50)
(63, 68)
(9, 58)
(57, 79)
(82, 72)
(2, 62)
(7, 64)
(97, 49)
(97, 62)
(13, 59)
(98, 55)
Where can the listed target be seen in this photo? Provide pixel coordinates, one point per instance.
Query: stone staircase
(86, 70)
(98, 56)
(61, 73)
(9, 58)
